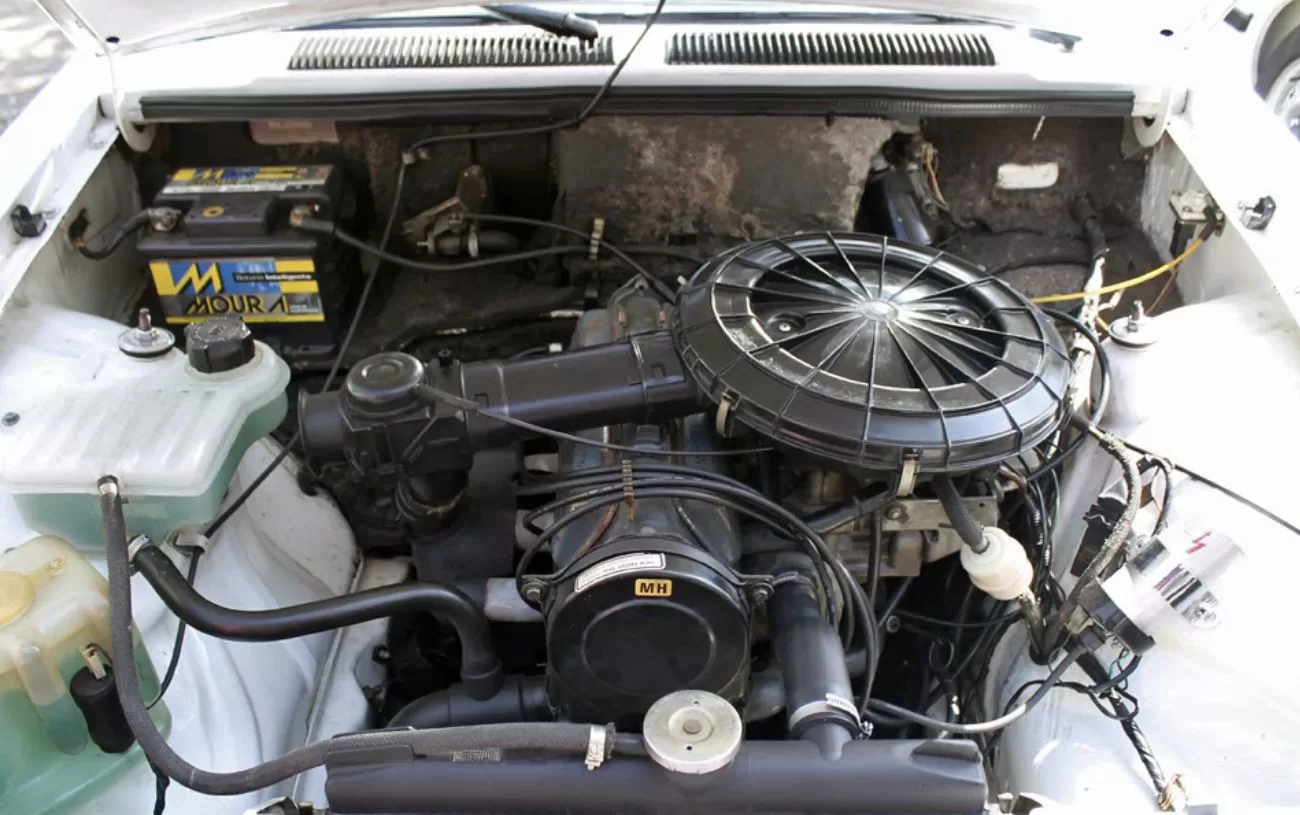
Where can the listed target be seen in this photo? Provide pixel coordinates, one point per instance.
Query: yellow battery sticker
(653, 587)
(190, 180)
(260, 290)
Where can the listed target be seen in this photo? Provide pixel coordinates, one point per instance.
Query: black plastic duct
(913, 777)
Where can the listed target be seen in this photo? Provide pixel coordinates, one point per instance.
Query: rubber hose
(521, 699)
(553, 737)
(480, 669)
(963, 523)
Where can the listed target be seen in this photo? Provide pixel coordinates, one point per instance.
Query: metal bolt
(144, 321)
(1136, 316)
(381, 654)
(760, 593)
(895, 513)
(893, 624)
(532, 592)
(10, 419)
(784, 327)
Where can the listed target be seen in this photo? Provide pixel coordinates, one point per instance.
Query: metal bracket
(1193, 210)
(1257, 216)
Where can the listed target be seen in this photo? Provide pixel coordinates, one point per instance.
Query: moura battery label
(260, 290)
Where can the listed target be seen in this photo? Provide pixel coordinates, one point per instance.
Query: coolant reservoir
(53, 607)
(170, 427)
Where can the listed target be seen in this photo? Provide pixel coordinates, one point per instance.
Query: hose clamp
(137, 543)
(597, 747)
(833, 705)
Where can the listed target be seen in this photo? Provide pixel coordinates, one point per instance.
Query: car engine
(712, 460)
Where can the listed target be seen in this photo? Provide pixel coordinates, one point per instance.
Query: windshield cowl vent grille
(334, 53)
(830, 48)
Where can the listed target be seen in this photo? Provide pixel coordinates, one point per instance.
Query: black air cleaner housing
(868, 352)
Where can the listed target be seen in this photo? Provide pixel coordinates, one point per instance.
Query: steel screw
(784, 327)
(10, 419)
(895, 513)
(892, 624)
(144, 321)
(381, 654)
(760, 593)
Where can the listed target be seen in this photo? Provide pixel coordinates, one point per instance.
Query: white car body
(234, 705)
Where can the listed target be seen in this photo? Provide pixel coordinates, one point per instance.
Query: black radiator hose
(913, 777)
(818, 696)
(521, 699)
(395, 745)
(480, 669)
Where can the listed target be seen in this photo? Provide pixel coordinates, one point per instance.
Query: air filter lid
(869, 352)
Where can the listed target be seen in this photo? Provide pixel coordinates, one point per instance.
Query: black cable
(1099, 407)
(129, 227)
(716, 492)
(333, 230)
(1209, 482)
(921, 618)
(537, 130)
(1162, 520)
(177, 643)
(1113, 545)
(429, 395)
(239, 501)
(1042, 260)
(993, 725)
(661, 288)
(763, 510)
(876, 558)
(688, 476)
(1142, 746)
(895, 600)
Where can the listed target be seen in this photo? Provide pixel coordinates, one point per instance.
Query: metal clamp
(598, 746)
(137, 543)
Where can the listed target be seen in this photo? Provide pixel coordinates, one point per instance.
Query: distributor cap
(867, 351)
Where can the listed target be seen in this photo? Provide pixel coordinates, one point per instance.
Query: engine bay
(720, 459)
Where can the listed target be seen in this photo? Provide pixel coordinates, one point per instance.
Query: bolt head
(784, 327)
(893, 624)
(895, 513)
(531, 592)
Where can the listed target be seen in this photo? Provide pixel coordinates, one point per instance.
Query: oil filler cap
(219, 344)
(692, 732)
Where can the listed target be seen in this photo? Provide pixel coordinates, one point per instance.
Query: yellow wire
(1124, 284)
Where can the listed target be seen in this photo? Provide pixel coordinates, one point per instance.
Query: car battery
(234, 252)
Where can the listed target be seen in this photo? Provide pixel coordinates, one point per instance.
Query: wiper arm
(556, 22)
